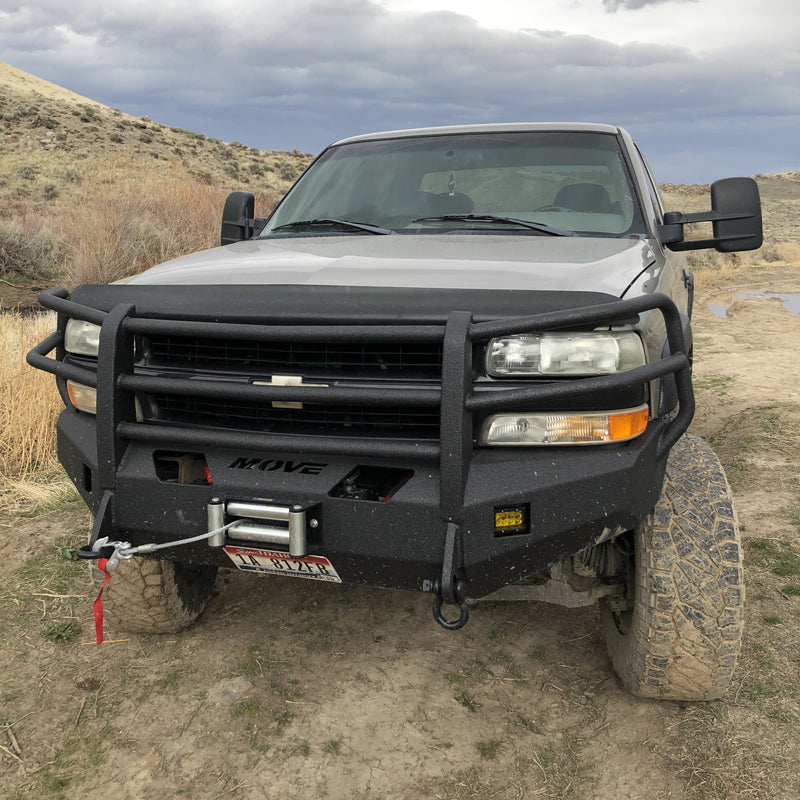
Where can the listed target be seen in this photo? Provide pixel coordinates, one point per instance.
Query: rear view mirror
(735, 217)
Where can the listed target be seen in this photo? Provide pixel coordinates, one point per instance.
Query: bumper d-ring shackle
(449, 588)
(458, 597)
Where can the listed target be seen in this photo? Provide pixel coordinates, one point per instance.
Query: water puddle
(719, 307)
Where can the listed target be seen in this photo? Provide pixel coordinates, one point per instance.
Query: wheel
(148, 595)
(678, 632)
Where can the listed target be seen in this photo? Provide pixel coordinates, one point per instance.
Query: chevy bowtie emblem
(288, 380)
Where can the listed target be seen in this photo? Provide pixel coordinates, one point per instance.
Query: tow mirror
(735, 217)
(238, 218)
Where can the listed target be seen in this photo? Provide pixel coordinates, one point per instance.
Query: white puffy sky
(709, 88)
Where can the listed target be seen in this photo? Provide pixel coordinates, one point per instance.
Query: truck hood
(416, 261)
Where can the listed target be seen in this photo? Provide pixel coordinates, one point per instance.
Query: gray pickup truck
(452, 360)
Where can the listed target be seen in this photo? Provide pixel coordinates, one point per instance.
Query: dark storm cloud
(301, 76)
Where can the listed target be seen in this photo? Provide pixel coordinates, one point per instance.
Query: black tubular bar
(378, 448)
(455, 424)
(599, 314)
(56, 299)
(538, 396)
(217, 390)
(116, 357)
(37, 358)
(117, 382)
(355, 334)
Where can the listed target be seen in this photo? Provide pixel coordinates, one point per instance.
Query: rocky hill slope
(53, 140)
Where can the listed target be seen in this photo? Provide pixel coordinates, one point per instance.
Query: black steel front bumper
(437, 529)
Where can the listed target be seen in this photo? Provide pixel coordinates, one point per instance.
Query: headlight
(82, 338)
(588, 427)
(590, 353)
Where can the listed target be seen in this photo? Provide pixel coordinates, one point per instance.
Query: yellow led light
(508, 519)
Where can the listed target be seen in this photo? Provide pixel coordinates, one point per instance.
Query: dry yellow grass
(29, 402)
(111, 233)
(140, 224)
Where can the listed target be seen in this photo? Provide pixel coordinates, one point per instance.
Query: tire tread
(686, 628)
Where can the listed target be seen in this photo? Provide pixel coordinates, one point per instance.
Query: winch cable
(109, 554)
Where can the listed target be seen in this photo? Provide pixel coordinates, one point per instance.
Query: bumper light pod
(588, 427)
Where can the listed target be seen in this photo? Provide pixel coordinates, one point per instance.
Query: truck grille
(403, 360)
(393, 363)
(312, 419)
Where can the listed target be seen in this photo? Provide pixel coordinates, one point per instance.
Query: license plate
(275, 562)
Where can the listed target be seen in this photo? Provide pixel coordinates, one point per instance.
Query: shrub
(288, 171)
(28, 255)
(142, 223)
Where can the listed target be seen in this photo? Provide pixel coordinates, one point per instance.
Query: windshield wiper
(310, 223)
(534, 226)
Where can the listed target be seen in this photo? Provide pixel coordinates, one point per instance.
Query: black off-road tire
(681, 634)
(147, 595)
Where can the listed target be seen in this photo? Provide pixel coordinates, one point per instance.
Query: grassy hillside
(55, 141)
(89, 193)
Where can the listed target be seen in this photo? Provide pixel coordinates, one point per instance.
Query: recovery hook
(103, 549)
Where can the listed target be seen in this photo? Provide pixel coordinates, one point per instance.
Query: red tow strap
(98, 603)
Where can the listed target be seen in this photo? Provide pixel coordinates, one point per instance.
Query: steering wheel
(554, 208)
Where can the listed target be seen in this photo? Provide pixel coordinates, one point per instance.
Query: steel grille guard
(116, 383)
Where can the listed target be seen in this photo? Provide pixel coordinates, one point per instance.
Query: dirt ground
(19, 298)
(290, 690)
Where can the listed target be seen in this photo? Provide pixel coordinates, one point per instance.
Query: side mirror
(735, 217)
(238, 218)
(738, 203)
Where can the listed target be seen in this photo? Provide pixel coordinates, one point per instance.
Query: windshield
(568, 182)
